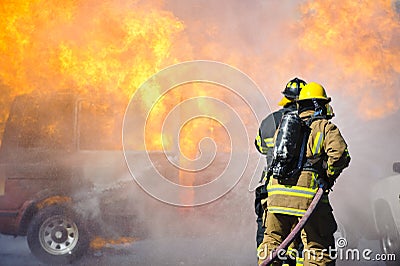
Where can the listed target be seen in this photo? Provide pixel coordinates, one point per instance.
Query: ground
(179, 251)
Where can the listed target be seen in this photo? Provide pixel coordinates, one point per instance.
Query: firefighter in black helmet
(264, 144)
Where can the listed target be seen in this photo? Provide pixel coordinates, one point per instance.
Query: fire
(98, 50)
(361, 38)
(53, 200)
(99, 242)
(191, 133)
(92, 48)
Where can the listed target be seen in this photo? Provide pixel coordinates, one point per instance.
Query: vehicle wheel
(57, 235)
(388, 234)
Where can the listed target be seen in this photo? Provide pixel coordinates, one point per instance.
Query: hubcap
(390, 241)
(58, 235)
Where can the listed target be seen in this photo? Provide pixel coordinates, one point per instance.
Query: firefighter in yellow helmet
(289, 197)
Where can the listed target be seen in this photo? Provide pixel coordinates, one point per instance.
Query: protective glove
(261, 193)
(326, 183)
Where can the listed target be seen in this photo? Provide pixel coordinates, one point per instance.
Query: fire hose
(300, 225)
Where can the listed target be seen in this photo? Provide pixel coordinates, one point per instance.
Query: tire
(389, 236)
(57, 235)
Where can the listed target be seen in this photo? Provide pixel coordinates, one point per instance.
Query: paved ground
(15, 251)
(178, 251)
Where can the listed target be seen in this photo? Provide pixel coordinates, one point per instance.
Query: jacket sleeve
(264, 140)
(260, 144)
(336, 150)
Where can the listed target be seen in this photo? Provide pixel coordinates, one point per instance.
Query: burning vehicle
(58, 154)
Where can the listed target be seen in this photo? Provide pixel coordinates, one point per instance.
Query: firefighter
(326, 157)
(264, 144)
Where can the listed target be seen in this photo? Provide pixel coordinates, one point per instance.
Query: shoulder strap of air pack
(303, 161)
(314, 164)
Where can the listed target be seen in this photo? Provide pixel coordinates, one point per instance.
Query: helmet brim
(327, 99)
(284, 101)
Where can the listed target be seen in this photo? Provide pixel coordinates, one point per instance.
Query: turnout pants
(317, 236)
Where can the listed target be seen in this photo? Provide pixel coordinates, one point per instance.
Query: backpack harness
(289, 154)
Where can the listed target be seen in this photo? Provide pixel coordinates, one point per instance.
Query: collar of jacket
(306, 114)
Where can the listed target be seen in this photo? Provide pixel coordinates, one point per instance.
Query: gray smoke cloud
(262, 38)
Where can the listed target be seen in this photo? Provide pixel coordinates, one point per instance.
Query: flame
(53, 200)
(100, 242)
(190, 133)
(95, 49)
(89, 47)
(99, 50)
(362, 39)
(190, 136)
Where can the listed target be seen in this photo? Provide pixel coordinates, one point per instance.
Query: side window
(42, 123)
(61, 122)
(56, 125)
(24, 124)
(99, 127)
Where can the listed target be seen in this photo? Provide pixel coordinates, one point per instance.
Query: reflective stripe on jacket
(294, 199)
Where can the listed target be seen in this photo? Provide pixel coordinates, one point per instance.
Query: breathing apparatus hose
(300, 225)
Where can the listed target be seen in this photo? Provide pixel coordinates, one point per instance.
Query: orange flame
(89, 47)
(97, 50)
(53, 200)
(99, 242)
(361, 38)
(191, 133)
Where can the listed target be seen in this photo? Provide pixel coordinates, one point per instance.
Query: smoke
(349, 47)
(112, 47)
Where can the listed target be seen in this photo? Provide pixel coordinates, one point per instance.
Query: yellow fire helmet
(313, 90)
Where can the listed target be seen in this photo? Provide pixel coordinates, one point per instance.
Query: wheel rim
(390, 241)
(58, 235)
